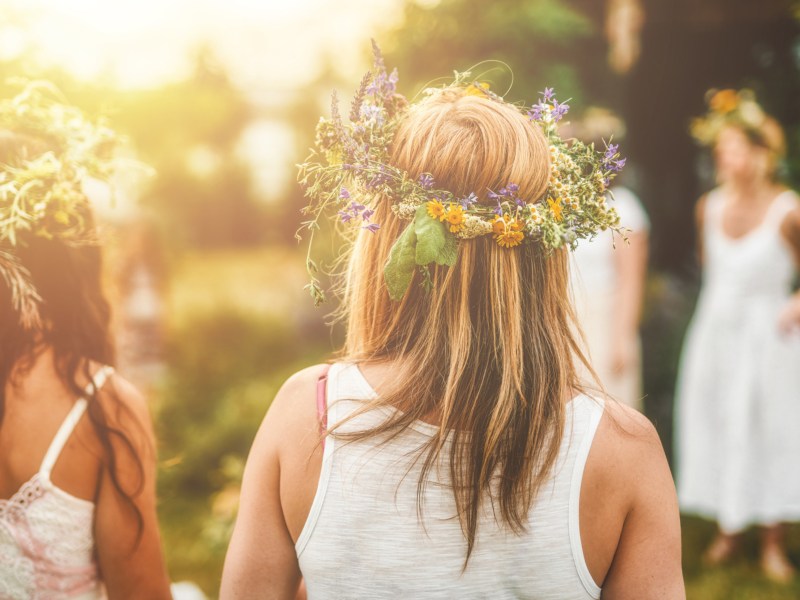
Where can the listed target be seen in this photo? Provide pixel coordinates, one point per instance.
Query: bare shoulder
(127, 397)
(700, 209)
(293, 412)
(627, 450)
(627, 427)
(125, 410)
(791, 223)
(295, 394)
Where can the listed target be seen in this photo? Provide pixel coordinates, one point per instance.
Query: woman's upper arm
(647, 562)
(261, 561)
(130, 556)
(699, 219)
(790, 228)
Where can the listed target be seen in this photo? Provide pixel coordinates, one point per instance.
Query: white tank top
(365, 538)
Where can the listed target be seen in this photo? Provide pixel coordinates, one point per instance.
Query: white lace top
(46, 534)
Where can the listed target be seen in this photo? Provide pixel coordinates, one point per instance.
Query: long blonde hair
(489, 351)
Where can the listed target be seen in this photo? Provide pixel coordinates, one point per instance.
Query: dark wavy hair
(76, 325)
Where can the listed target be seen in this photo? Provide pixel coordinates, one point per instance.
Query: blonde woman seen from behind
(462, 459)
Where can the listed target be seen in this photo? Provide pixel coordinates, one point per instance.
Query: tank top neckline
(766, 220)
(421, 426)
(42, 475)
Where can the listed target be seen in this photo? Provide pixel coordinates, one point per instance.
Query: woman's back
(66, 531)
(46, 528)
(365, 516)
(626, 511)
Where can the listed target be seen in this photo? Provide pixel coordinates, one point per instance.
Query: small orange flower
(455, 217)
(499, 224)
(724, 101)
(436, 209)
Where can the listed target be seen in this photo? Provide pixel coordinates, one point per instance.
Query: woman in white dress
(607, 279)
(738, 401)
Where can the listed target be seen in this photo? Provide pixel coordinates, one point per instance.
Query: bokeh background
(221, 98)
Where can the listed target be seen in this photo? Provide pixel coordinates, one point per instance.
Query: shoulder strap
(68, 426)
(783, 204)
(712, 210)
(322, 401)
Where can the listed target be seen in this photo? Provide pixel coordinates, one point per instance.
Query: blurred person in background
(738, 402)
(451, 451)
(607, 276)
(77, 457)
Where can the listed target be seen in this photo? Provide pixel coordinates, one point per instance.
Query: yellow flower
(435, 209)
(509, 238)
(508, 231)
(556, 209)
(455, 217)
(479, 88)
(724, 101)
(499, 224)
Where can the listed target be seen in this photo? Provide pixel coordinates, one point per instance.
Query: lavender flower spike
(372, 227)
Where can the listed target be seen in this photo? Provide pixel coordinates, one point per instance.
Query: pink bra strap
(322, 401)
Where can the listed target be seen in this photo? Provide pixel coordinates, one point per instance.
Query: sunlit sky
(270, 48)
(265, 44)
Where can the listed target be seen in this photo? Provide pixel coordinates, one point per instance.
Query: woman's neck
(748, 190)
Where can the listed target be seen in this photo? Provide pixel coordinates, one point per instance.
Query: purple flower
(536, 112)
(372, 227)
(378, 179)
(426, 181)
(394, 77)
(548, 93)
(345, 217)
(611, 150)
(372, 114)
(343, 193)
(368, 212)
(513, 188)
(493, 196)
(499, 210)
(559, 110)
(355, 207)
(468, 201)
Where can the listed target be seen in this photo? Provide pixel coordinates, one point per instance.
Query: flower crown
(728, 107)
(49, 148)
(349, 168)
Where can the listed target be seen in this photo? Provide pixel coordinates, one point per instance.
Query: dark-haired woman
(77, 477)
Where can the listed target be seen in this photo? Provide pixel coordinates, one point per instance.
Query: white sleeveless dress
(364, 537)
(46, 534)
(738, 393)
(594, 287)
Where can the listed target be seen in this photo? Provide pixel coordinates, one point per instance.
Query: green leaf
(434, 243)
(399, 269)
